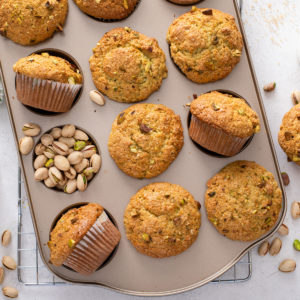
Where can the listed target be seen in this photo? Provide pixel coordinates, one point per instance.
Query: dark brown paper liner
(215, 139)
(46, 94)
(95, 247)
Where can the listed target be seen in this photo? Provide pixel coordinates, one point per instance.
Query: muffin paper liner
(46, 94)
(95, 247)
(215, 139)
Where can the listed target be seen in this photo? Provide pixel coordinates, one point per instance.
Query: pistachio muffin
(205, 44)
(222, 123)
(83, 238)
(47, 82)
(127, 66)
(162, 219)
(145, 139)
(107, 9)
(28, 22)
(289, 134)
(243, 201)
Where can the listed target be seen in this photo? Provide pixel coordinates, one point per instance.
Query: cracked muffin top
(28, 22)
(127, 66)
(289, 134)
(45, 66)
(243, 201)
(107, 9)
(145, 139)
(205, 44)
(162, 219)
(232, 115)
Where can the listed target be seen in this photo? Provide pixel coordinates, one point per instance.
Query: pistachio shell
(26, 145)
(39, 149)
(55, 175)
(81, 182)
(1, 275)
(88, 151)
(75, 157)
(283, 230)
(97, 97)
(68, 130)
(47, 139)
(49, 183)
(31, 129)
(80, 135)
(81, 166)
(295, 210)
(10, 292)
(60, 148)
(287, 265)
(41, 174)
(49, 152)
(40, 161)
(70, 186)
(56, 133)
(69, 141)
(6, 238)
(9, 263)
(71, 173)
(61, 163)
(96, 162)
(263, 248)
(275, 246)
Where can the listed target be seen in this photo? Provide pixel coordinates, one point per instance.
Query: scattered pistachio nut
(10, 292)
(88, 171)
(9, 263)
(56, 133)
(1, 275)
(71, 173)
(26, 145)
(60, 148)
(68, 130)
(81, 166)
(296, 244)
(88, 151)
(285, 178)
(39, 149)
(295, 210)
(6, 238)
(263, 248)
(49, 152)
(49, 183)
(31, 129)
(287, 265)
(47, 139)
(283, 230)
(269, 87)
(40, 161)
(70, 186)
(96, 162)
(55, 175)
(97, 97)
(61, 163)
(69, 141)
(275, 246)
(41, 174)
(80, 135)
(295, 97)
(81, 182)
(75, 157)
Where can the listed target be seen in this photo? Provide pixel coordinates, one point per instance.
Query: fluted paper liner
(215, 139)
(46, 94)
(95, 247)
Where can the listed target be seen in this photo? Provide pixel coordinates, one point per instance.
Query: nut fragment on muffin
(162, 219)
(243, 201)
(28, 22)
(83, 238)
(127, 66)
(145, 139)
(66, 159)
(107, 10)
(205, 44)
(222, 123)
(47, 82)
(289, 134)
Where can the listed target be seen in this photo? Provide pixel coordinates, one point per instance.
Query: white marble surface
(271, 27)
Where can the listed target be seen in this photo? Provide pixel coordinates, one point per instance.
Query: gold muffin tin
(129, 271)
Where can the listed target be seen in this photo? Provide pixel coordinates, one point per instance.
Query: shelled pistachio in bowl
(66, 158)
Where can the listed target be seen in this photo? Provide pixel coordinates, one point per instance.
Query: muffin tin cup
(46, 94)
(215, 139)
(95, 247)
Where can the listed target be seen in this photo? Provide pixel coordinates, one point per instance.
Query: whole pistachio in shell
(81, 182)
(47, 139)
(26, 145)
(41, 174)
(68, 130)
(80, 135)
(61, 163)
(31, 129)
(56, 133)
(40, 161)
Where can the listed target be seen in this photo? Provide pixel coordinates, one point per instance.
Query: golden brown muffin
(145, 139)
(107, 9)
(28, 22)
(233, 115)
(45, 66)
(70, 229)
(243, 201)
(205, 44)
(127, 66)
(162, 219)
(289, 134)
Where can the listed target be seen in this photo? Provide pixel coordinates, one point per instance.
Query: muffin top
(223, 111)
(28, 22)
(243, 201)
(145, 139)
(107, 9)
(162, 219)
(289, 134)
(205, 44)
(70, 229)
(127, 66)
(45, 66)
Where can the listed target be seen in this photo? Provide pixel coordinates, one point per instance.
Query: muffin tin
(211, 254)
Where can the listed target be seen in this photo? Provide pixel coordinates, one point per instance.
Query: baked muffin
(28, 22)
(205, 44)
(243, 201)
(47, 82)
(289, 134)
(83, 238)
(145, 139)
(127, 66)
(162, 219)
(222, 123)
(107, 9)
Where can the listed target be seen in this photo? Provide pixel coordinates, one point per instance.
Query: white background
(273, 34)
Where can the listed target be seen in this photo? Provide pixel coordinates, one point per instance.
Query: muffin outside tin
(70, 59)
(212, 153)
(91, 138)
(77, 205)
